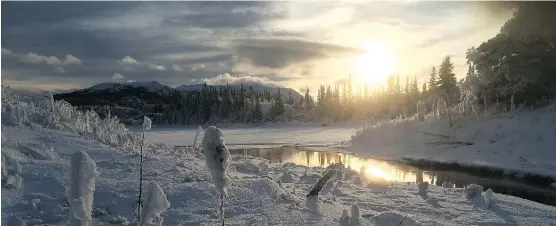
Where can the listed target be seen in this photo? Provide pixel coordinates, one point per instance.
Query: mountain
(256, 87)
(165, 105)
(152, 86)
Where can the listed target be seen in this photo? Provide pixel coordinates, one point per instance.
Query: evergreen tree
(447, 82)
(407, 85)
(290, 99)
(424, 88)
(278, 106)
(432, 80)
(308, 100)
(257, 113)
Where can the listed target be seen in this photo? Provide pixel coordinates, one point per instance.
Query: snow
(522, 141)
(217, 158)
(154, 204)
(472, 190)
(146, 123)
(254, 198)
(301, 135)
(489, 198)
(81, 188)
(422, 188)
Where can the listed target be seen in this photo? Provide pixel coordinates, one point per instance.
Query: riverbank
(522, 142)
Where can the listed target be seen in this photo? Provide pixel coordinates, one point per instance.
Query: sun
(376, 64)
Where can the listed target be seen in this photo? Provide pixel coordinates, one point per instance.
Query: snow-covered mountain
(256, 87)
(152, 86)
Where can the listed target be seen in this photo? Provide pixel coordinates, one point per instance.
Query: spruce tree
(447, 83)
(432, 80)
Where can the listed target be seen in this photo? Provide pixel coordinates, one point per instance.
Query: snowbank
(523, 141)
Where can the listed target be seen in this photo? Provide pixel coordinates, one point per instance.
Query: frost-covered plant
(81, 188)
(489, 198)
(321, 182)
(421, 110)
(154, 205)
(146, 126)
(472, 190)
(217, 158)
(355, 216)
(195, 141)
(422, 188)
(27, 108)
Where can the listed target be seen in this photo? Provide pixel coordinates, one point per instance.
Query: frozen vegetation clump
(154, 205)
(81, 188)
(217, 158)
(472, 190)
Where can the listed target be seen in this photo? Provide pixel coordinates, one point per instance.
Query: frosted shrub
(421, 110)
(489, 198)
(60, 115)
(196, 140)
(472, 190)
(155, 204)
(422, 188)
(217, 158)
(81, 188)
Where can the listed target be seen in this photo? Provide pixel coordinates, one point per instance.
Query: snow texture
(447, 184)
(472, 190)
(146, 123)
(81, 188)
(344, 219)
(489, 198)
(422, 188)
(391, 218)
(154, 204)
(217, 157)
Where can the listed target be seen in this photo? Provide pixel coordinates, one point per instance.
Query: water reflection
(370, 167)
(373, 169)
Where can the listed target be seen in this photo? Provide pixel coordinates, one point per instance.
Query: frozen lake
(242, 136)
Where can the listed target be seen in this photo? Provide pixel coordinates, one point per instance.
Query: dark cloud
(102, 33)
(280, 53)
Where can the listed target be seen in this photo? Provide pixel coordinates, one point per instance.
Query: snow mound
(155, 203)
(472, 190)
(289, 177)
(308, 178)
(489, 198)
(247, 167)
(422, 188)
(391, 218)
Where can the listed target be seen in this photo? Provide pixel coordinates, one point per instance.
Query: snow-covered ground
(37, 147)
(524, 141)
(266, 135)
(255, 197)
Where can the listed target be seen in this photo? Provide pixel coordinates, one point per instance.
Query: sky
(296, 44)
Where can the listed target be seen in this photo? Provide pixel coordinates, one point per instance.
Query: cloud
(156, 67)
(59, 69)
(177, 67)
(198, 66)
(223, 79)
(6, 51)
(72, 59)
(128, 60)
(280, 53)
(117, 77)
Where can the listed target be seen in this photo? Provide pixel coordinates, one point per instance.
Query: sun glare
(376, 64)
(375, 172)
